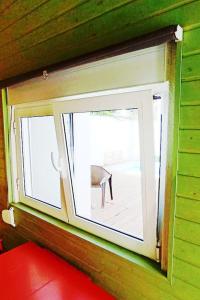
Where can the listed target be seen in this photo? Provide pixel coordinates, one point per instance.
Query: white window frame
(137, 97)
(31, 111)
(141, 100)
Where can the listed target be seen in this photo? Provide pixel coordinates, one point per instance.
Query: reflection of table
(30, 272)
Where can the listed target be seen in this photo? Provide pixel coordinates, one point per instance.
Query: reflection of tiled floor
(124, 212)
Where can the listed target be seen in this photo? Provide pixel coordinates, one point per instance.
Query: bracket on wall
(45, 74)
(8, 216)
(178, 34)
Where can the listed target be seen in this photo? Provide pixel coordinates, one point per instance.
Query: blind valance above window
(139, 61)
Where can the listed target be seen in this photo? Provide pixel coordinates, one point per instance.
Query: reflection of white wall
(39, 140)
(114, 140)
(82, 180)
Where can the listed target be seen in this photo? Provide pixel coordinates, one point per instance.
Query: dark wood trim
(173, 75)
(3, 177)
(148, 40)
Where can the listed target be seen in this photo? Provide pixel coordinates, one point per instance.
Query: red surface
(34, 273)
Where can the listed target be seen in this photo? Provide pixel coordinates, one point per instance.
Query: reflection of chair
(99, 177)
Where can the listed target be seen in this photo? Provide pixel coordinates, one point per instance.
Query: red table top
(34, 273)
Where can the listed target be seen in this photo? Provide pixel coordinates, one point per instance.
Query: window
(95, 132)
(39, 145)
(38, 180)
(104, 153)
(95, 162)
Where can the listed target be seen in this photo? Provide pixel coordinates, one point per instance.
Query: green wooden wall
(49, 31)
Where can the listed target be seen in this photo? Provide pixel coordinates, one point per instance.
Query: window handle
(55, 166)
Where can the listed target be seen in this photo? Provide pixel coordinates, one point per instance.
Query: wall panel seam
(7, 7)
(186, 174)
(69, 29)
(183, 219)
(157, 13)
(191, 53)
(39, 5)
(189, 151)
(188, 283)
(178, 195)
(190, 79)
(186, 262)
(42, 24)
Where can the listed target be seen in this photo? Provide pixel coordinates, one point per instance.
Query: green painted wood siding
(71, 28)
(36, 33)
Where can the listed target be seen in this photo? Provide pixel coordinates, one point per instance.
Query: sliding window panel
(108, 166)
(39, 178)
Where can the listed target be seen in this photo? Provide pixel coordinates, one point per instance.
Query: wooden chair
(99, 177)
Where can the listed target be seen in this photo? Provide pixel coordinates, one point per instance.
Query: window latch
(156, 97)
(14, 127)
(55, 166)
(17, 183)
(158, 253)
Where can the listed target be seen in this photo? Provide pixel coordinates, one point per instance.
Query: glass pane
(104, 154)
(40, 152)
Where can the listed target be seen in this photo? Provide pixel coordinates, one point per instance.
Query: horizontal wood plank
(187, 231)
(187, 252)
(188, 209)
(187, 273)
(191, 42)
(190, 93)
(118, 25)
(183, 290)
(189, 141)
(18, 10)
(50, 20)
(189, 117)
(43, 14)
(188, 164)
(191, 68)
(5, 5)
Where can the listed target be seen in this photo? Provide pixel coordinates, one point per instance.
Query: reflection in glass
(40, 152)
(105, 163)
